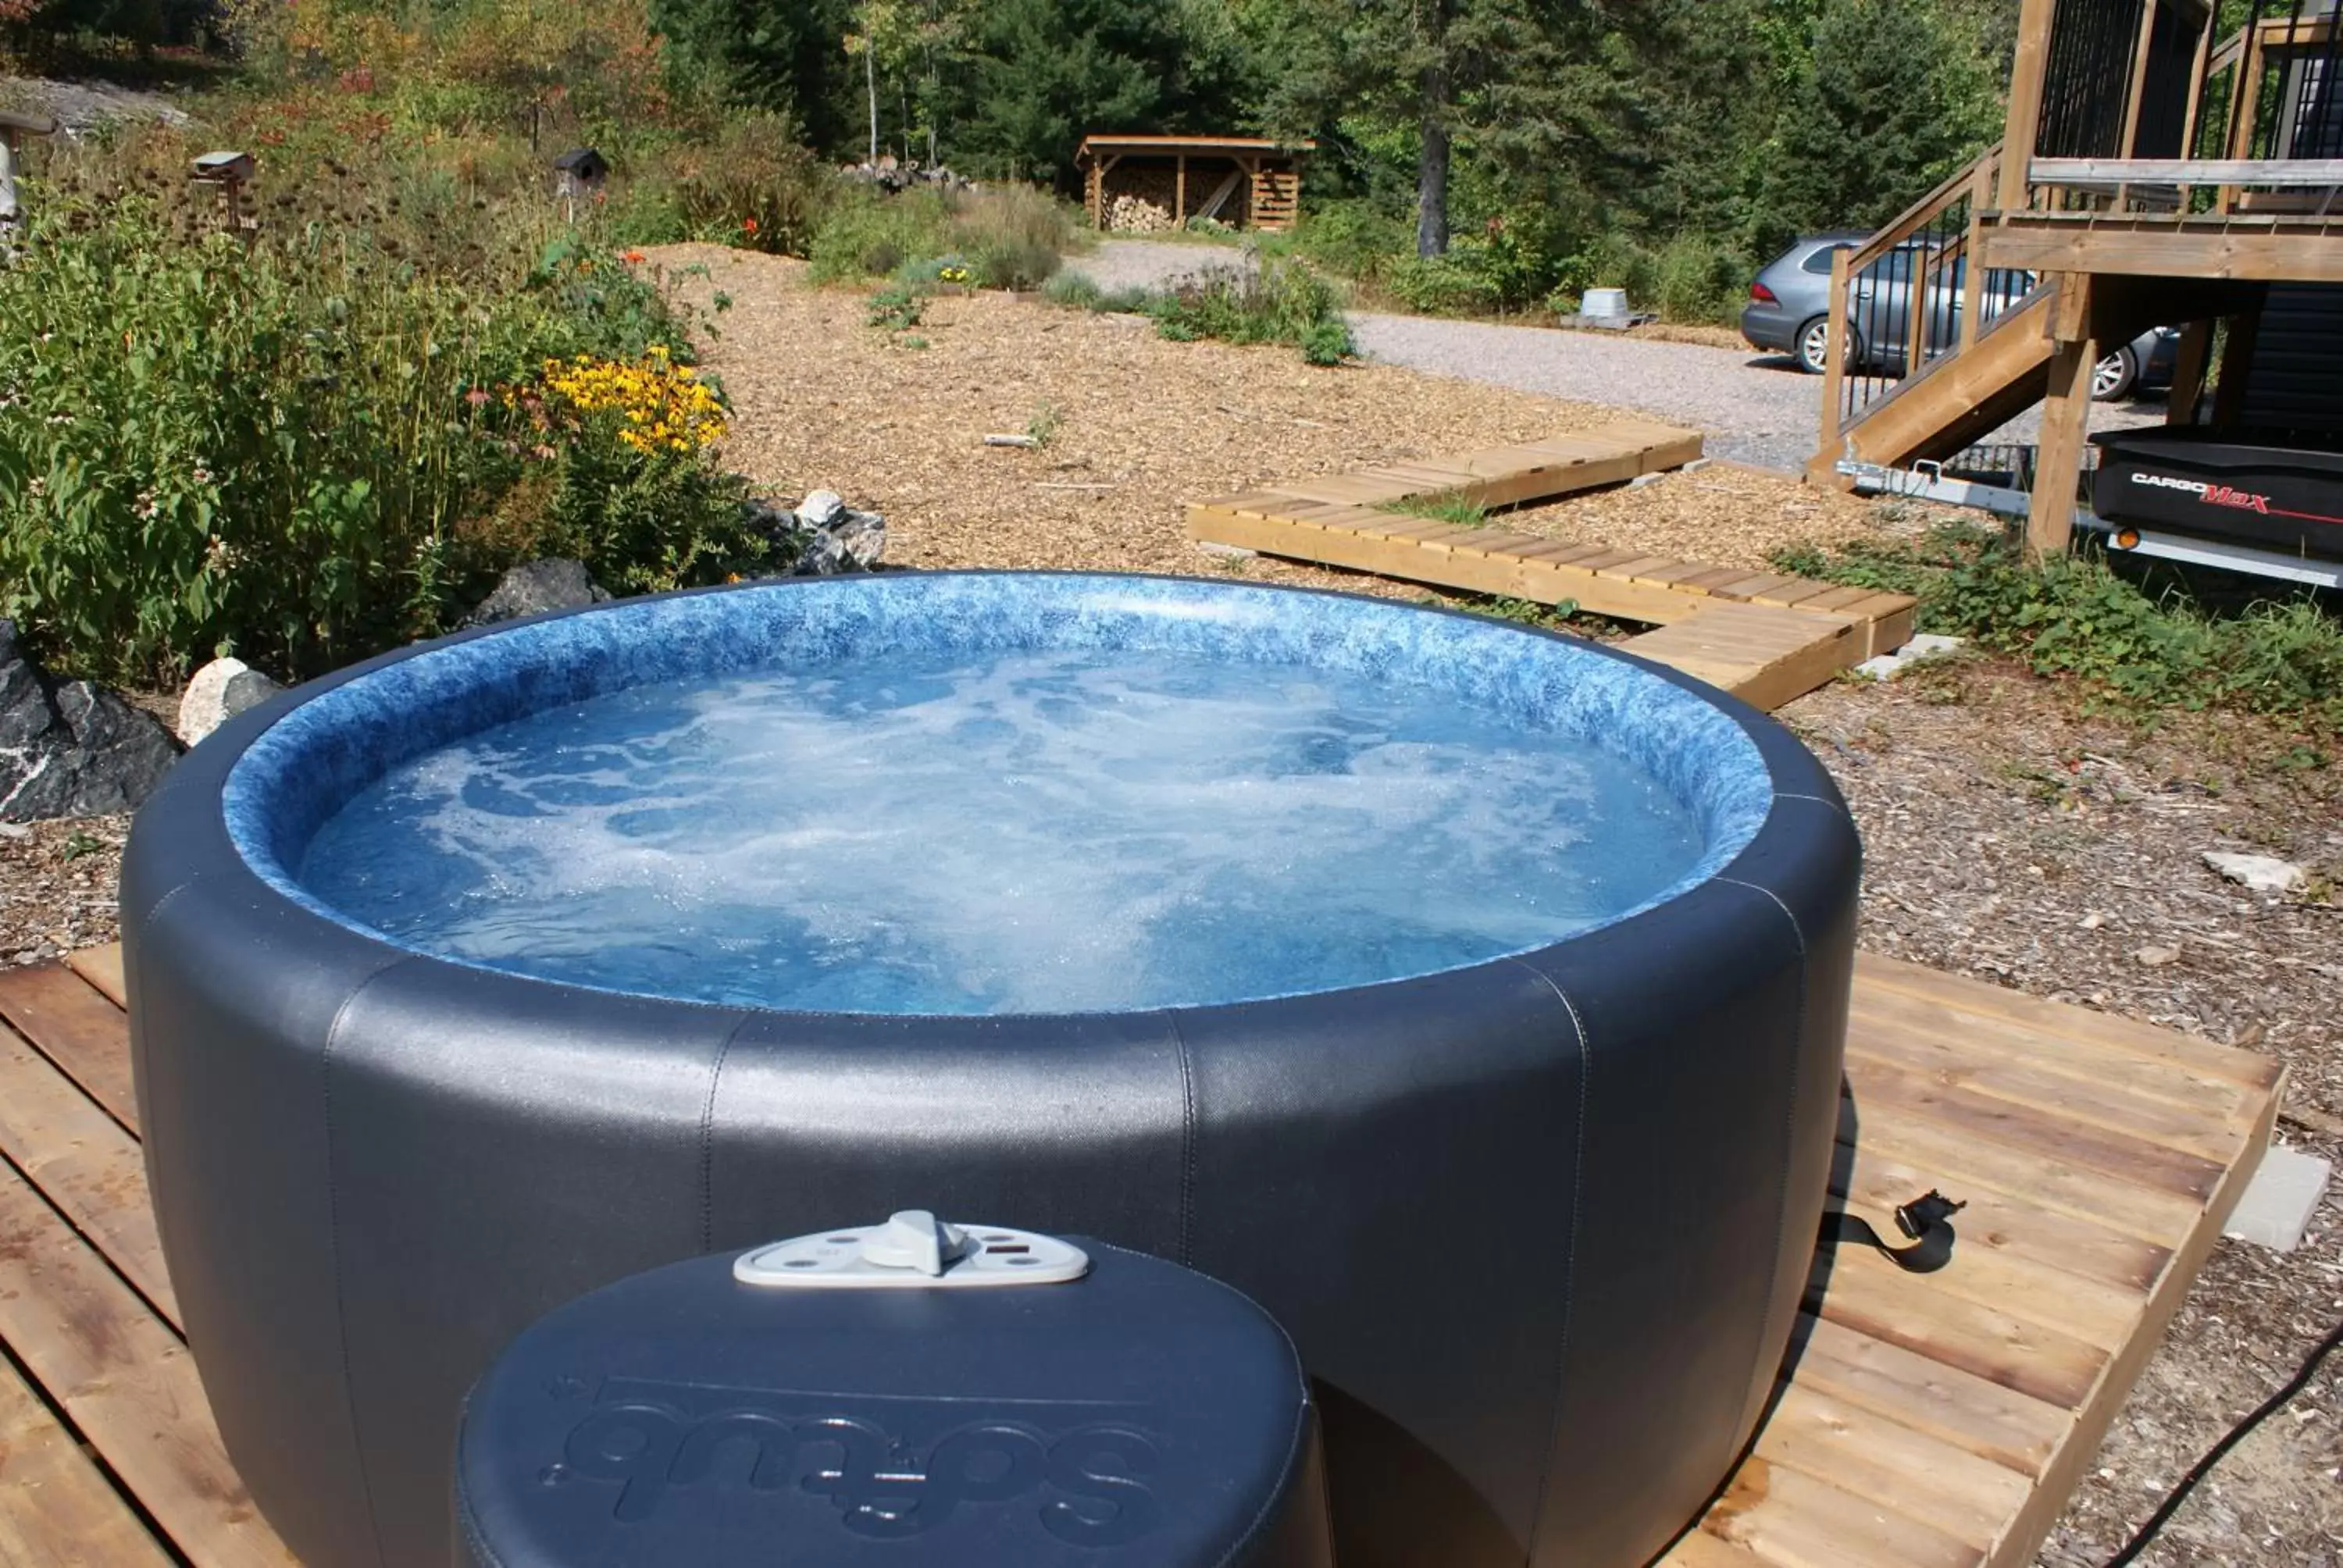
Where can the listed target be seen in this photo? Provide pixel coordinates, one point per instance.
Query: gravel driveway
(1754, 407)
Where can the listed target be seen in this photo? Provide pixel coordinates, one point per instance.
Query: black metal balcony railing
(2256, 81)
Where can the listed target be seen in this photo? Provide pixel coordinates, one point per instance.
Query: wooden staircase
(1930, 349)
(1957, 399)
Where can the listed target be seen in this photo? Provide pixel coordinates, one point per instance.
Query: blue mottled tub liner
(328, 749)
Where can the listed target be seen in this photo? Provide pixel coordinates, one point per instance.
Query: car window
(1820, 262)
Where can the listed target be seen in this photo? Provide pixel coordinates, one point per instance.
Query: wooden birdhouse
(230, 172)
(580, 172)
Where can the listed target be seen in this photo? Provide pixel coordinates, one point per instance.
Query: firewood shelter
(1245, 181)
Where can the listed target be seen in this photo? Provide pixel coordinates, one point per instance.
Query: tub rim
(1787, 772)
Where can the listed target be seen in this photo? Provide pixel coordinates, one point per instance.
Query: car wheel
(2115, 376)
(1814, 346)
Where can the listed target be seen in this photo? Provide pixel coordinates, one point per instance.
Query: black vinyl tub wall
(1538, 1226)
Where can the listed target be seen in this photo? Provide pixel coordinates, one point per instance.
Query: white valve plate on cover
(913, 1250)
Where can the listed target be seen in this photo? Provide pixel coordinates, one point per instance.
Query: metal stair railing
(1908, 296)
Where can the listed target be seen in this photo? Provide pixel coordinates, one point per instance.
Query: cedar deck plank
(1969, 1497)
(1866, 1292)
(57, 1509)
(1303, 520)
(2130, 1161)
(1924, 1419)
(2090, 1249)
(101, 967)
(76, 1027)
(84, 1164)
(2062, 1022)
(127, 1382)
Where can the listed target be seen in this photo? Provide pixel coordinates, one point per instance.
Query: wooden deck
(1923, 1421)
(1762, 636)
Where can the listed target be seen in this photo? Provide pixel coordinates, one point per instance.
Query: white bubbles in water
(1039, 832)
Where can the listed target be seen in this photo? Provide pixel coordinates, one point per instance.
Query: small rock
(219, 692)
(2156, 958)
(534, 587)
(1926, 645)
(821, 509)
(2258, 873)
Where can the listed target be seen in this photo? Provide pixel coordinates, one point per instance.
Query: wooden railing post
(2066, 419)
(2032, 65)
(2128, 146)
(1834, 358)
(1973, 280)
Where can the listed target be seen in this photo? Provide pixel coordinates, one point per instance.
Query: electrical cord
(2197, 1472)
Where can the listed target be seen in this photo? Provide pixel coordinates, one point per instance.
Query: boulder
(74, 749)
(534, 587)
(821, 509)
(822, 536)
(219, 692)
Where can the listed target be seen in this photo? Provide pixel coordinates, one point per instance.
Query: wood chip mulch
(1137, 426)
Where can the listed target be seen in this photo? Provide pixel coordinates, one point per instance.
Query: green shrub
(1012, 236)
(1354, 238)
(898, 308)
(755, 186)
(1699, 281)
(2075, 617)
(1280, 301)
(307, 450)
(1440, 286)
(1080, 291)
(1613, 261)
(870, 233)
(1327, 343)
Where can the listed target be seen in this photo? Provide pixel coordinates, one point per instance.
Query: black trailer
(2264, 502)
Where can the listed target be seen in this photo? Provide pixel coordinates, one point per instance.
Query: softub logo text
(890, 1467)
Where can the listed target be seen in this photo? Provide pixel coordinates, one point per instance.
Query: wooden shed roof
(1194, 146)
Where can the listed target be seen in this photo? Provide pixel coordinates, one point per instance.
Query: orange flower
(748, 226)
(632, 258)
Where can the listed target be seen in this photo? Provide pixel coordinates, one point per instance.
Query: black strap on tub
(1926, 1222)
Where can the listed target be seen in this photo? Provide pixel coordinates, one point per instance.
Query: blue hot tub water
(995, 795)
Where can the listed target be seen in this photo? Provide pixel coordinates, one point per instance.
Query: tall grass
(1009, 237)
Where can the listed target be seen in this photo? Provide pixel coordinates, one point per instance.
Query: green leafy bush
(1080, 291)
(1010, 236)
(1282, 301)
(898, 308)
(2075, 617)
(1353, 238)
(306, 448)
(754, 186)
(869, 234)
(1699, 281)
(1439, 285)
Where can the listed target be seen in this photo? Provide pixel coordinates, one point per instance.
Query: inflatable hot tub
(1472, 998)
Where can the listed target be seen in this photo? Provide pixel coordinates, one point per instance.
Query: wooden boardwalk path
(1922, 1422)
(1764, 636)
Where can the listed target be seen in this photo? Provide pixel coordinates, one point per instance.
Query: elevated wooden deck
(1922, 1422)
(1763, 637)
